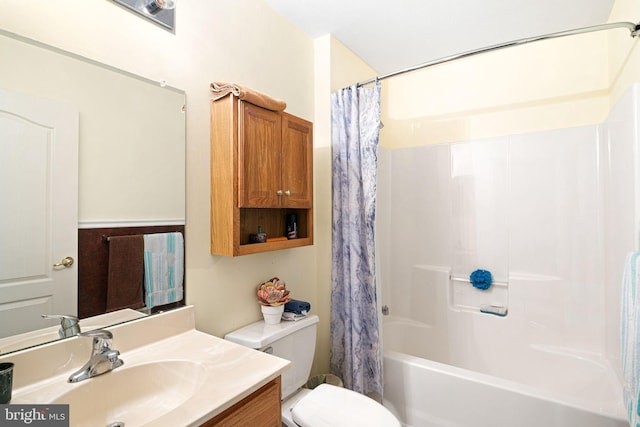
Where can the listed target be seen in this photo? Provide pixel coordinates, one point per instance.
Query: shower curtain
(356, 354)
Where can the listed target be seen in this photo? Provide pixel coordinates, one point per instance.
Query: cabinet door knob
(287, 193)
(279, 192)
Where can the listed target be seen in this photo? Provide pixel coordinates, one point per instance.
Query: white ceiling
(390, 35)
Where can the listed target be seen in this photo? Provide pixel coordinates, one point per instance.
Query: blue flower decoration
(481, 279)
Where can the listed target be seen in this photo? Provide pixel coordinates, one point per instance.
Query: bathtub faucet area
(103, 357)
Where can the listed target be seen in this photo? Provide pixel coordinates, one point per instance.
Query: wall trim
(130, 223)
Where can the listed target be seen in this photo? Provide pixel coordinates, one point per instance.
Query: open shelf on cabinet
(273, 223)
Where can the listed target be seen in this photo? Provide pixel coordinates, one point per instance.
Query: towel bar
(462, 279)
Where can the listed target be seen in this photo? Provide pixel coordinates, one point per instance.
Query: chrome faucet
(103, 357)
(69, 325)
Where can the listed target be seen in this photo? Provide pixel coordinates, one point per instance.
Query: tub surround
(220, 374)
(552, 215)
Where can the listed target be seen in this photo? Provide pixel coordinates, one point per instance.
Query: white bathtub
(429, 381)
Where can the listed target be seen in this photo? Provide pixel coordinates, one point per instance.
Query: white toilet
(325, 405)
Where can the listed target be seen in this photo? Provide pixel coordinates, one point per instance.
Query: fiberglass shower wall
(551, 214)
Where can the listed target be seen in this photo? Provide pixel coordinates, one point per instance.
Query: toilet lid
(331, 406)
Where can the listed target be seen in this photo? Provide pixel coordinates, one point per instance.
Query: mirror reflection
(87, 149)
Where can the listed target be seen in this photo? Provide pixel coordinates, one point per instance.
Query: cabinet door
(259, 157)
(297, 162)
(260, 409)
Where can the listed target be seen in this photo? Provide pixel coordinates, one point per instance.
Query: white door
(38, 211)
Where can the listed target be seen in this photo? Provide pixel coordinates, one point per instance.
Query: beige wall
(552, 84)
(234, 40)
(546, 85)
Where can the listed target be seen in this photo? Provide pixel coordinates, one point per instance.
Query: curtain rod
(633, 28)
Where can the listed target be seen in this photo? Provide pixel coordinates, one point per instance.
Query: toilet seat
(331, 406)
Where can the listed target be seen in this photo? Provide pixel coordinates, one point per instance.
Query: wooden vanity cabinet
(260, 409)
(261, 171)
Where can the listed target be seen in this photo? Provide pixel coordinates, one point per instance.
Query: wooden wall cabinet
(261, 171)
(260, 409)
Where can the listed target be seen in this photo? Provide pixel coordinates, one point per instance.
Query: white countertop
(220, 372)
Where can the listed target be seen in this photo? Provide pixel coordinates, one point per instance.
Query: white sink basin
(134, 395)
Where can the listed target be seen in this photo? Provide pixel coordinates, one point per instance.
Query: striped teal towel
(630, 338)
(163, 268)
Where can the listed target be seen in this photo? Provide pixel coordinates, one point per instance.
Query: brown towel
(222, 89)
(126, 272)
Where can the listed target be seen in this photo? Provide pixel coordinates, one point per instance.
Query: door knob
(279, 192)
(287, 193)
(66, 262)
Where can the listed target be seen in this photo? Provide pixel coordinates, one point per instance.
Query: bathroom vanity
(173, 375)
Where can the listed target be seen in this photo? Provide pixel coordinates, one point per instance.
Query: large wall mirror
(126, 168)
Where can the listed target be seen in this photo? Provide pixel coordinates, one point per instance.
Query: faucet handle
(101, 339)
(69, 324)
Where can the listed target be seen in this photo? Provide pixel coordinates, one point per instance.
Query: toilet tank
(291, 340)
